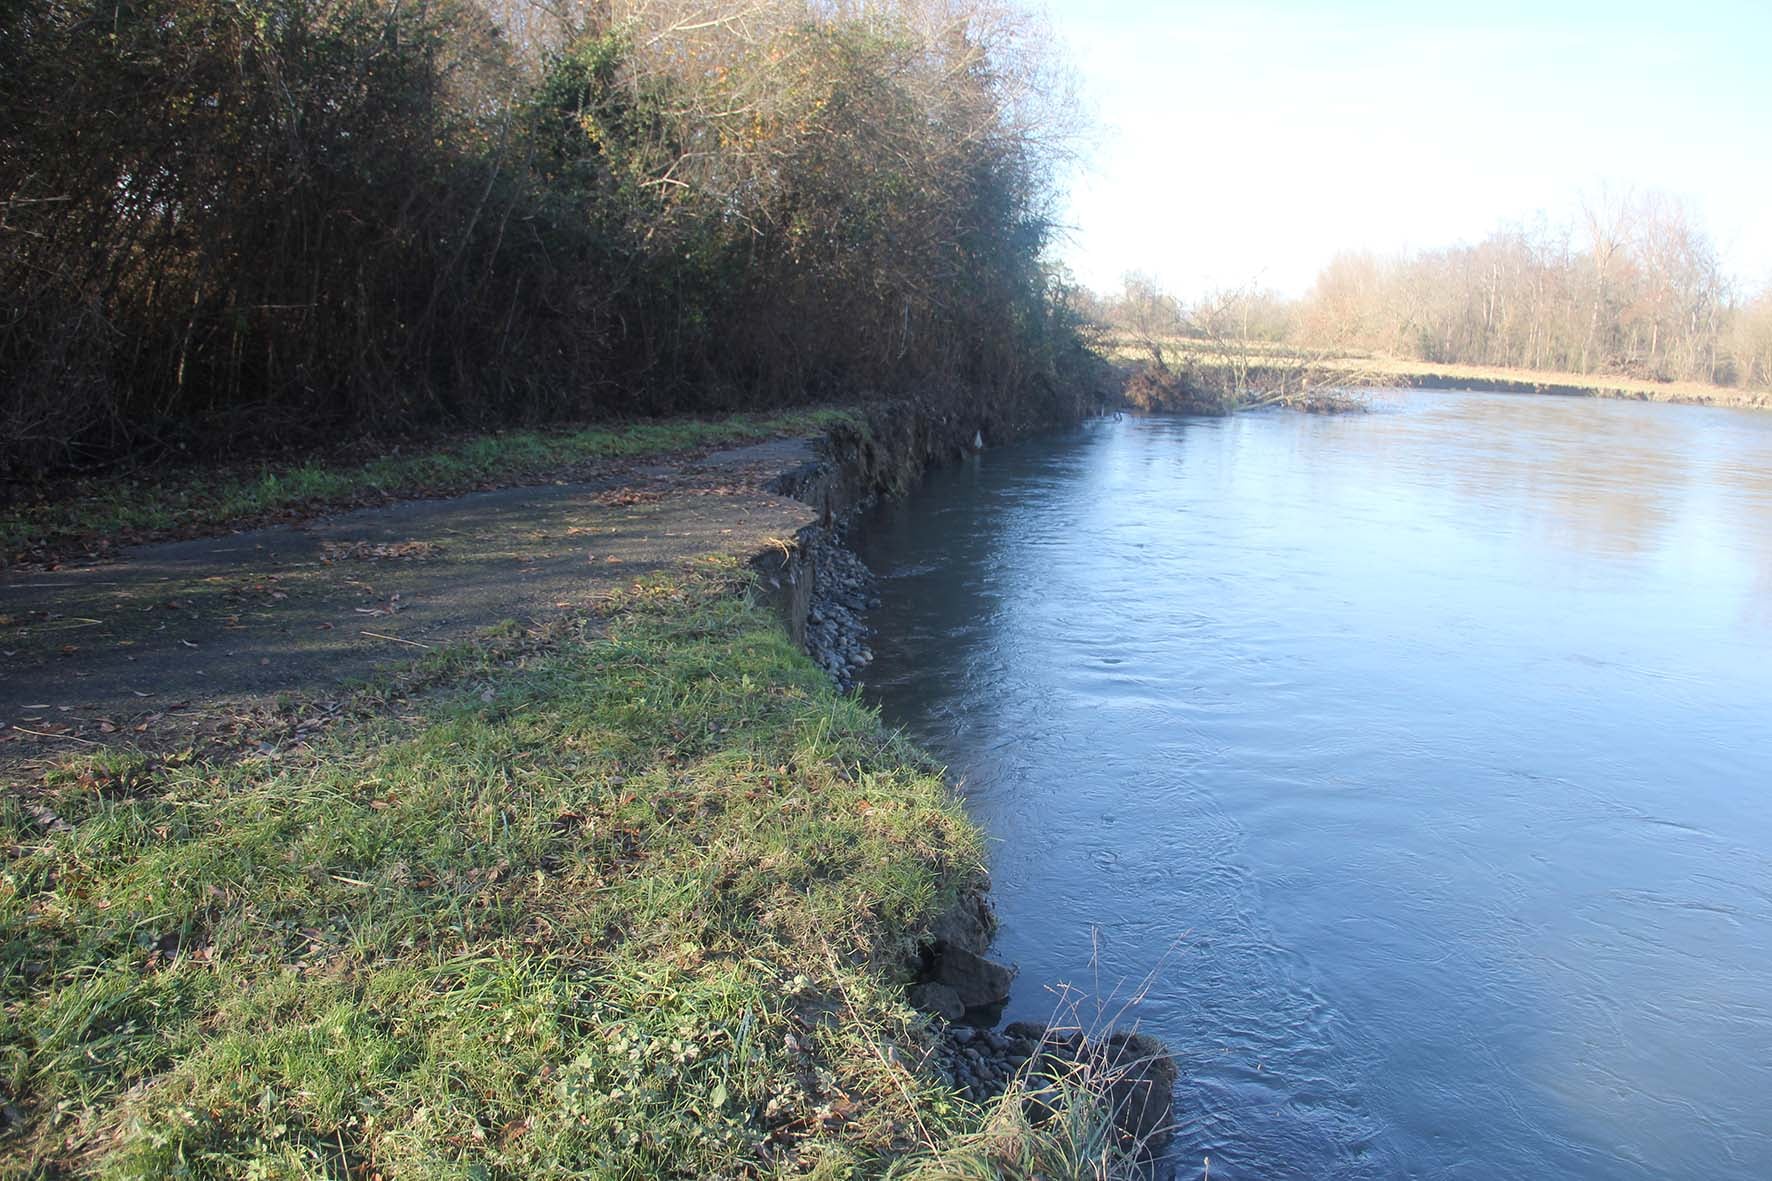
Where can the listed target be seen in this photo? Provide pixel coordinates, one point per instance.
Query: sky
(1251, 142)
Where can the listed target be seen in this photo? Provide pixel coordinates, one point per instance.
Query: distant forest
(232, 225)
(1634, 289)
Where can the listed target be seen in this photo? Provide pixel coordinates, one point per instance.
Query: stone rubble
(842, 589)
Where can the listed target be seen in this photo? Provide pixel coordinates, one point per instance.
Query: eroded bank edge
(821, 590)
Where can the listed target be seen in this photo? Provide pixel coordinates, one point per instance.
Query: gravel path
(178, 637)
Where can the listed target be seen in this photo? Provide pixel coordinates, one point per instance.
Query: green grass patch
(195, 501)
(629, 907)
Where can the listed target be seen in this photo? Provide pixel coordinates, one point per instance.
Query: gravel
(980, 1063)
(842, 590)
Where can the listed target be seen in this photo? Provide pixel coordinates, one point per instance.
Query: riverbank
(1427, 375)
(1261, 360)
(625, 888)
(612, 902)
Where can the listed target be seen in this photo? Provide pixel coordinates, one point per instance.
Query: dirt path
(182, 637)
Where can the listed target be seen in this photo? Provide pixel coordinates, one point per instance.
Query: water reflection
(1425, 750)
(1604, 484)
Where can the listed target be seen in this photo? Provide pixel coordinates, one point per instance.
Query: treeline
(236, 224)
(1635, 289)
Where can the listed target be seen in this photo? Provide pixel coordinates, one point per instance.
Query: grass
(629, 904)
(208, 499)
(1074, 1143)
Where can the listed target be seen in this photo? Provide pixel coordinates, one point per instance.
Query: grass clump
(1041, 1127)
(632, 906)
(204, 499)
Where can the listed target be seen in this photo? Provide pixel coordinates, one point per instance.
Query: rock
(841, 588)
(978, 981)
(1143, 1089)
(967, 925)
(939, 999)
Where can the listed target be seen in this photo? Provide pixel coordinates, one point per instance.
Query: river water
(1413, 767)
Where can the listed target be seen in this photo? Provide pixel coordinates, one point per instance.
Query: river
(1407, 772)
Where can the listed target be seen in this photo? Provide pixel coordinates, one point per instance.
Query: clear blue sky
(1252, 141)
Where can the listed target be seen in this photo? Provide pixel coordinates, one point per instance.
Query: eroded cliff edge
(823, 592)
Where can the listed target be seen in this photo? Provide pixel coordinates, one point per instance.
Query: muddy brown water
(1415, 765)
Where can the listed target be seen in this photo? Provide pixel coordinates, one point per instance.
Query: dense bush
(231, 224)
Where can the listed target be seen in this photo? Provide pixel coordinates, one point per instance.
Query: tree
(1641, 294)
(328, 218)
